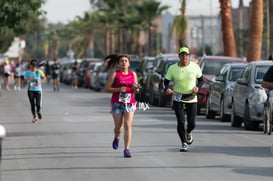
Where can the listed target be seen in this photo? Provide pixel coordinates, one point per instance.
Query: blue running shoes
(115, 143)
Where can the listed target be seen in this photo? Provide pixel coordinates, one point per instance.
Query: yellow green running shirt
(184, 78)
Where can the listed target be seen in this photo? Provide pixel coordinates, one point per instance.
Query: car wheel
(223, 116)
(143, 95)
(152, 100)
(249, 125)
(198, 109)
(267, 118)
(234, 119)
(209, 113)
(162, 100)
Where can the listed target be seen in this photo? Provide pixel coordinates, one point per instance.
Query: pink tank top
(124, 79)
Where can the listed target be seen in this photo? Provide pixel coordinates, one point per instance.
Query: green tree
(34, 37)
(151, 10)
(87, 25)
(14, 16)
(107, 20)
(6, 37)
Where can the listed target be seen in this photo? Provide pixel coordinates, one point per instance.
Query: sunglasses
(184, 54)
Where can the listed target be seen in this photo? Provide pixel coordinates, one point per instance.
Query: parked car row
(228, 84)
(153, 77)
(230, 94)
(219, 94)
(88, 68)
(210, 66)
(244, 110)
(83, 75)
(92, 72)
(145, 66)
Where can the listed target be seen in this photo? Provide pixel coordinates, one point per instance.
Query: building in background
(204, 32)
(16, 50)
(168, 43)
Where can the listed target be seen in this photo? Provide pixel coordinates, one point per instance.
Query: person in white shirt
(7, 72)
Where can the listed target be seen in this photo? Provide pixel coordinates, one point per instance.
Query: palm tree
(53, 42)
(107, 21)
(256, 30)
(68, 34)
(227, 29)
(179, 26)
(36, 27)
(151, 10)
(118, 10)
(271, 26)
(87, 25)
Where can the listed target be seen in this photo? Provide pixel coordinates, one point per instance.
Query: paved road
(73, 142)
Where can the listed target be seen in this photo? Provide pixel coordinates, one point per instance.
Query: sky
(66, 10)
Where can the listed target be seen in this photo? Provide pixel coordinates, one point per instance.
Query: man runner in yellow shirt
(187, 78)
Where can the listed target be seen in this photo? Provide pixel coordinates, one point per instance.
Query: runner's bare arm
(136, 89)
(108, 86)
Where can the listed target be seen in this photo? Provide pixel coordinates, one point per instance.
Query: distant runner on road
(34, 78)
(56, 67)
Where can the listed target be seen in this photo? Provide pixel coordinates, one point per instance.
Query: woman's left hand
(136, 90)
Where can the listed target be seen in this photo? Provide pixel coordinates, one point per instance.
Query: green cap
(184, 50)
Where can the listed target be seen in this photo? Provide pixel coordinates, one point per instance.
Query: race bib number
(177, 97)
(33, 83)
(56, 71)
(124, 97)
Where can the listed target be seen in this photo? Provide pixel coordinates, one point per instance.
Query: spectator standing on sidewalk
(187, 78)
(34, 78)
(122, 84)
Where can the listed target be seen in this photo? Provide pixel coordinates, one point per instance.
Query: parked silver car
(94, 68)
(243, 109)
(220, 91)
(99, 78)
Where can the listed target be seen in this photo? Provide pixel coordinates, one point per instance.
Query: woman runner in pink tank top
(122, 84)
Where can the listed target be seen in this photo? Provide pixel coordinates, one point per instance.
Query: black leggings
(180, 109)
(35, 100)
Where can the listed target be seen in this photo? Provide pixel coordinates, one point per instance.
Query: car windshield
(235, 73)
(260, 72)
(212, 67)
(149, 64)
(134, 65)
(169, 64)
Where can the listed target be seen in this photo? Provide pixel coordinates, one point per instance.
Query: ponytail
(113, 59)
